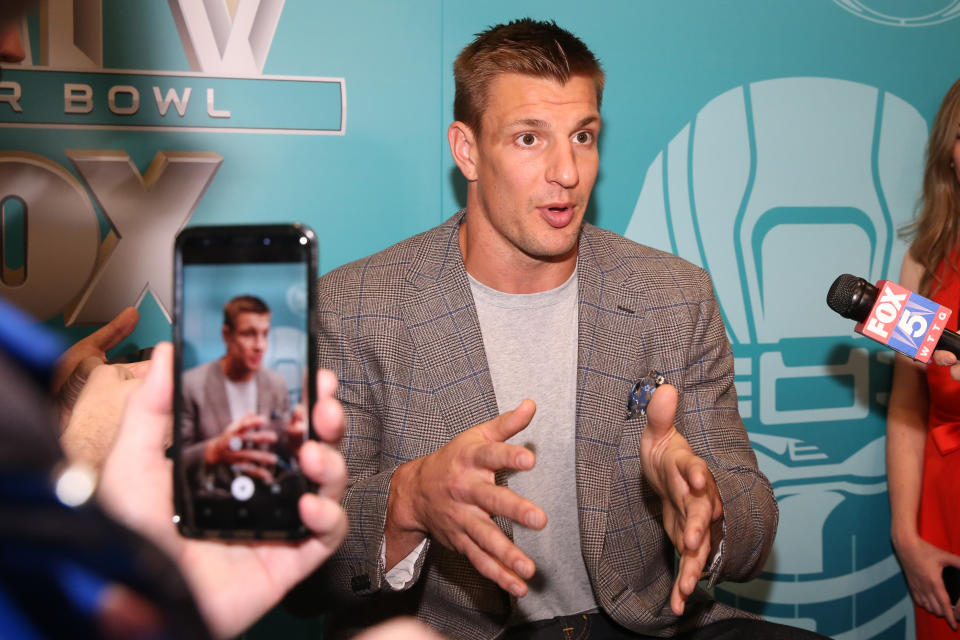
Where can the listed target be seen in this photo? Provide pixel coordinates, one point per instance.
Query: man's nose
(562, 168)
(11, 45)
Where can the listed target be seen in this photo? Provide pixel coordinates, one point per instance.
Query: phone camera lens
(266, 242)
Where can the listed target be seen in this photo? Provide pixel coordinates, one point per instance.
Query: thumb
(944, 358)
(661, 412)
(510, 423)
(952, 560)
(111, 334)
(149, 413)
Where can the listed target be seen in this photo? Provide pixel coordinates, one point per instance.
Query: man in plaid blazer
(432, 517)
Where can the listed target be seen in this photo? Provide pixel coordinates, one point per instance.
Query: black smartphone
(951, 580)
(244, 378)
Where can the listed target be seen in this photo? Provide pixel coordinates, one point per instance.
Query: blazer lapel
(443, 324)
(215, 391)
(609, 313)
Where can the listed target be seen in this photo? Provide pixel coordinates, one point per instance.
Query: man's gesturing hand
(687, 490)
(451, 495)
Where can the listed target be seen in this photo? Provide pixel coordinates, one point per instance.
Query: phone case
(242, 335)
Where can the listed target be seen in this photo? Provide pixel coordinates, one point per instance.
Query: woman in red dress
(923, 422)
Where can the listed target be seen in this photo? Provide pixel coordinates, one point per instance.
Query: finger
(136, 369)
(254, 470)
(486, 535)
(676, 486)
(951, 559)
(490, 568)
(298, 420)
(111, 334)
(943, 604)
(499, 455)
(662, 410)
(324, 465)
(70, 390)
(510, 423)
(698, 509)
(83, 370)
(502, 501)
(328, 420)
(324, 517)
(253, 455)
(326, 383)
(149, 412)
(105, 374)
(248, 422)
(944, 358)
(695, 471)
(690, 569)
(936, 603)
(257, 436)
(717, 512)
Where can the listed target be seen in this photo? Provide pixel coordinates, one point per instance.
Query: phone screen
(242, 337)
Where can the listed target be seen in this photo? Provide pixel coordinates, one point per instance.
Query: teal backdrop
(777, 144)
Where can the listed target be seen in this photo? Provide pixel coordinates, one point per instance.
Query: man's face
(247, 342)
(536, 163)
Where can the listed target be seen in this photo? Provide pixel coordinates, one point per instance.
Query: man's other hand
(234, 583)
(451, 495)
(691, 501)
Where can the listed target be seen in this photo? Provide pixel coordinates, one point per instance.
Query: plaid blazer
(400, 330)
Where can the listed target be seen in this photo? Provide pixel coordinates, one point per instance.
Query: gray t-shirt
(531, 346)
(242, 398)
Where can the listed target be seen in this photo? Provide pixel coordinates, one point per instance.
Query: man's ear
(463, 148)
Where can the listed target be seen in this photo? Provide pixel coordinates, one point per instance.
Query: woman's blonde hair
(936, 230)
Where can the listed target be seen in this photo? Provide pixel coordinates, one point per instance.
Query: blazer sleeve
(712, 425)
(193, 443)
(357, 566)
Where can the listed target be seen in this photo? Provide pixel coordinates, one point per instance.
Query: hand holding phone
(241, 337)
(233, 584)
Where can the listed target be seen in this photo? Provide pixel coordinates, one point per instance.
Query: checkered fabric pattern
(400, 330)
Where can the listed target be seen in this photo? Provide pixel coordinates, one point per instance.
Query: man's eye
(527, 140)
(583, 137)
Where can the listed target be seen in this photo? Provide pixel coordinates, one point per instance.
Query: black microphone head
(851, 297)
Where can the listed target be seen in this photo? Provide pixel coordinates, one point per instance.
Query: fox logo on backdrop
(90, 242)
(776, 188)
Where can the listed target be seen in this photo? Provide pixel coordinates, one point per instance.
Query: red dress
(939, 517)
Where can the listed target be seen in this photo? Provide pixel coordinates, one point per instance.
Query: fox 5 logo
(776, 188)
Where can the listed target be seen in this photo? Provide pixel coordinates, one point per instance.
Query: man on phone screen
(236, 415)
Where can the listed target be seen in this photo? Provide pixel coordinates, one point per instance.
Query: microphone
(894, 316)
